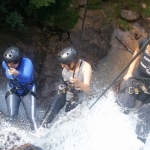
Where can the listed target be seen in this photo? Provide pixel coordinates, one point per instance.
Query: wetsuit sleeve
(26, 71)
(4, 67)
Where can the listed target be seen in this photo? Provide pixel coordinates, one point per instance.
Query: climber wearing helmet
(20, 86)
(76, 75)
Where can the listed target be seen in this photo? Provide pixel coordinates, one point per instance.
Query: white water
(103, 127)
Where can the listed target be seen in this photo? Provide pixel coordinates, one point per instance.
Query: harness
(140, 87)
(21, 87)
(70, 87)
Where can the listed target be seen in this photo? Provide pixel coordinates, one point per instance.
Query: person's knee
(59, 102)
(126, 100)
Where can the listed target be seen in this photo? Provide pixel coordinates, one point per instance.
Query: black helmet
(67, 55)
(12, 54)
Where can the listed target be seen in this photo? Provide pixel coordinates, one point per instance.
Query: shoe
(10, 120)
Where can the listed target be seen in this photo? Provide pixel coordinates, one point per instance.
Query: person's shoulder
(25, 59)
(87, 65)
(3, 63)
(85, 62)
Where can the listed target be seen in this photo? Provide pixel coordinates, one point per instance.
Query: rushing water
(103, 127)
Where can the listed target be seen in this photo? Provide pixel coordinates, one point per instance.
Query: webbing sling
(141, 87)
(23, 87)
(73, 90)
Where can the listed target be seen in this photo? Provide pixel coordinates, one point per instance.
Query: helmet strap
(72, 67)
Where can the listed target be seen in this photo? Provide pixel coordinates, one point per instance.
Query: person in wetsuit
(72, 90)
(136, 83)
(20, 87)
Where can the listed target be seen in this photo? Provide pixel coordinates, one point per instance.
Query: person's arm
(26, 72)
(132, 66)
(87, 73)
(4, 65)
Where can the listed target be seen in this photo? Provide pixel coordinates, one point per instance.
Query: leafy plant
(60, 15)
(41, 3)
(66, 20)
(117, 10)
(123, 24)
(15, 20)
(146, 10)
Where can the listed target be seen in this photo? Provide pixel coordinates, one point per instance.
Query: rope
(117, 37)
(140, 51)
(47, 115)
(78, 48)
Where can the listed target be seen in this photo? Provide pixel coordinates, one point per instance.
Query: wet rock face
(94, 45)
(42, 47)
(26, 147)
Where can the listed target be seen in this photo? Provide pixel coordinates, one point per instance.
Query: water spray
(140, 51)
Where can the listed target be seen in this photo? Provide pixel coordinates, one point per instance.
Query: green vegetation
(15, 20)
(146, 9)
(113, 12)
(66, 20)
(41, 3)
(56, 14)
(123, 24)
(59, 15)
(94, 4)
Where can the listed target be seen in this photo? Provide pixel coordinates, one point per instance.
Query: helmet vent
(67, 53)
(12, 54)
